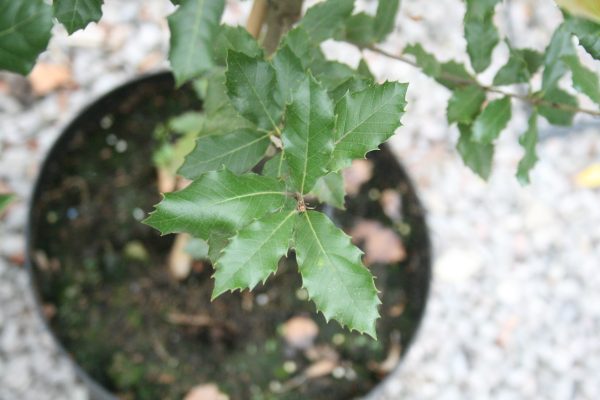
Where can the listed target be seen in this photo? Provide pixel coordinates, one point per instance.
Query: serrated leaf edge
(214, 295)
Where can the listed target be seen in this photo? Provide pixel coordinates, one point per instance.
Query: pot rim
(99, 392)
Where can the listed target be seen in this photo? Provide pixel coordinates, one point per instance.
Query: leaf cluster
(482, 112)
(277, 130)
(307, 118)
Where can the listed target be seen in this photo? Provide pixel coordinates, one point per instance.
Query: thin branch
(257, 17)
(281, 16)
(461, 81)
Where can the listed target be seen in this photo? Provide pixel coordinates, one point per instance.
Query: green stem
(458, 80)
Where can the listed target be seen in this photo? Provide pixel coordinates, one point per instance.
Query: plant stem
(281, 17)
(456, 79)
(257, 16)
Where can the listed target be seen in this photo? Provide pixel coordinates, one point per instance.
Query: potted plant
(139, 327)
(308, 118)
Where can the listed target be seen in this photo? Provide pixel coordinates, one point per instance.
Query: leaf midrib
(364, 120)
(14, 27)
(243, 196)
(262, 104)
(322, 248)
(194, 33)
(263, 243)
(72, 19)
(499, 116)
(239, 148)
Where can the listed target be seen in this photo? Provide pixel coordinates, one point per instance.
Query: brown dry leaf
(46, 78)
(381, 244)
(356, 174)
(300, 332)
(208, 391)
(391, 202)
(393, 357)
(180, 262)
(321, 352)
(167, 182)
(320, 368)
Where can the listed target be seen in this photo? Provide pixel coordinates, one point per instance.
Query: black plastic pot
(118, 104)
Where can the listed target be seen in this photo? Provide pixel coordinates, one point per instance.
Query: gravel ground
(514, 311)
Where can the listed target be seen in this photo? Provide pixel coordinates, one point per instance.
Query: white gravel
(514, 311)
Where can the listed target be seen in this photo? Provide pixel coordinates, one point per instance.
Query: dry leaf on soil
(356, 175)
(391, 202)
(208, 391)
(381, 244)
(300, 332)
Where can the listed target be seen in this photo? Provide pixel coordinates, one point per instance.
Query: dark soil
(112, 304)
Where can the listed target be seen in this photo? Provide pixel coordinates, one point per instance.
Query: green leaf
(170, 156)
(217, 241)
(360, 30)
(237, 151)
(333, 274)
(277, 167)
(528, 140)
(77, 14)
(454, 75)
(330, 189)
(5, 200)
(584, 80)
(254, 253)
(235, 38)
(465, 104)
(298, 41)
(385, 18)
(451, 74)
(290, 73)
(350, 85)
(189, 122)
(587, 32)
(194, 27)
(217, 201)
(332, 73)
(251, 86)
(492, 120)
(560, 45)
(216, 96)
(197, 249)
(365, 120)
(24, 33)
(326, 19)
(554, 114)
(477, 156)
(426, 61)
(220, 115)
(521, 64)
(534, 59)
(307, 136)
(480, 32)
(364, 71)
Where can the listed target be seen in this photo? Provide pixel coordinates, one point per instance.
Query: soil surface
(111, 302)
